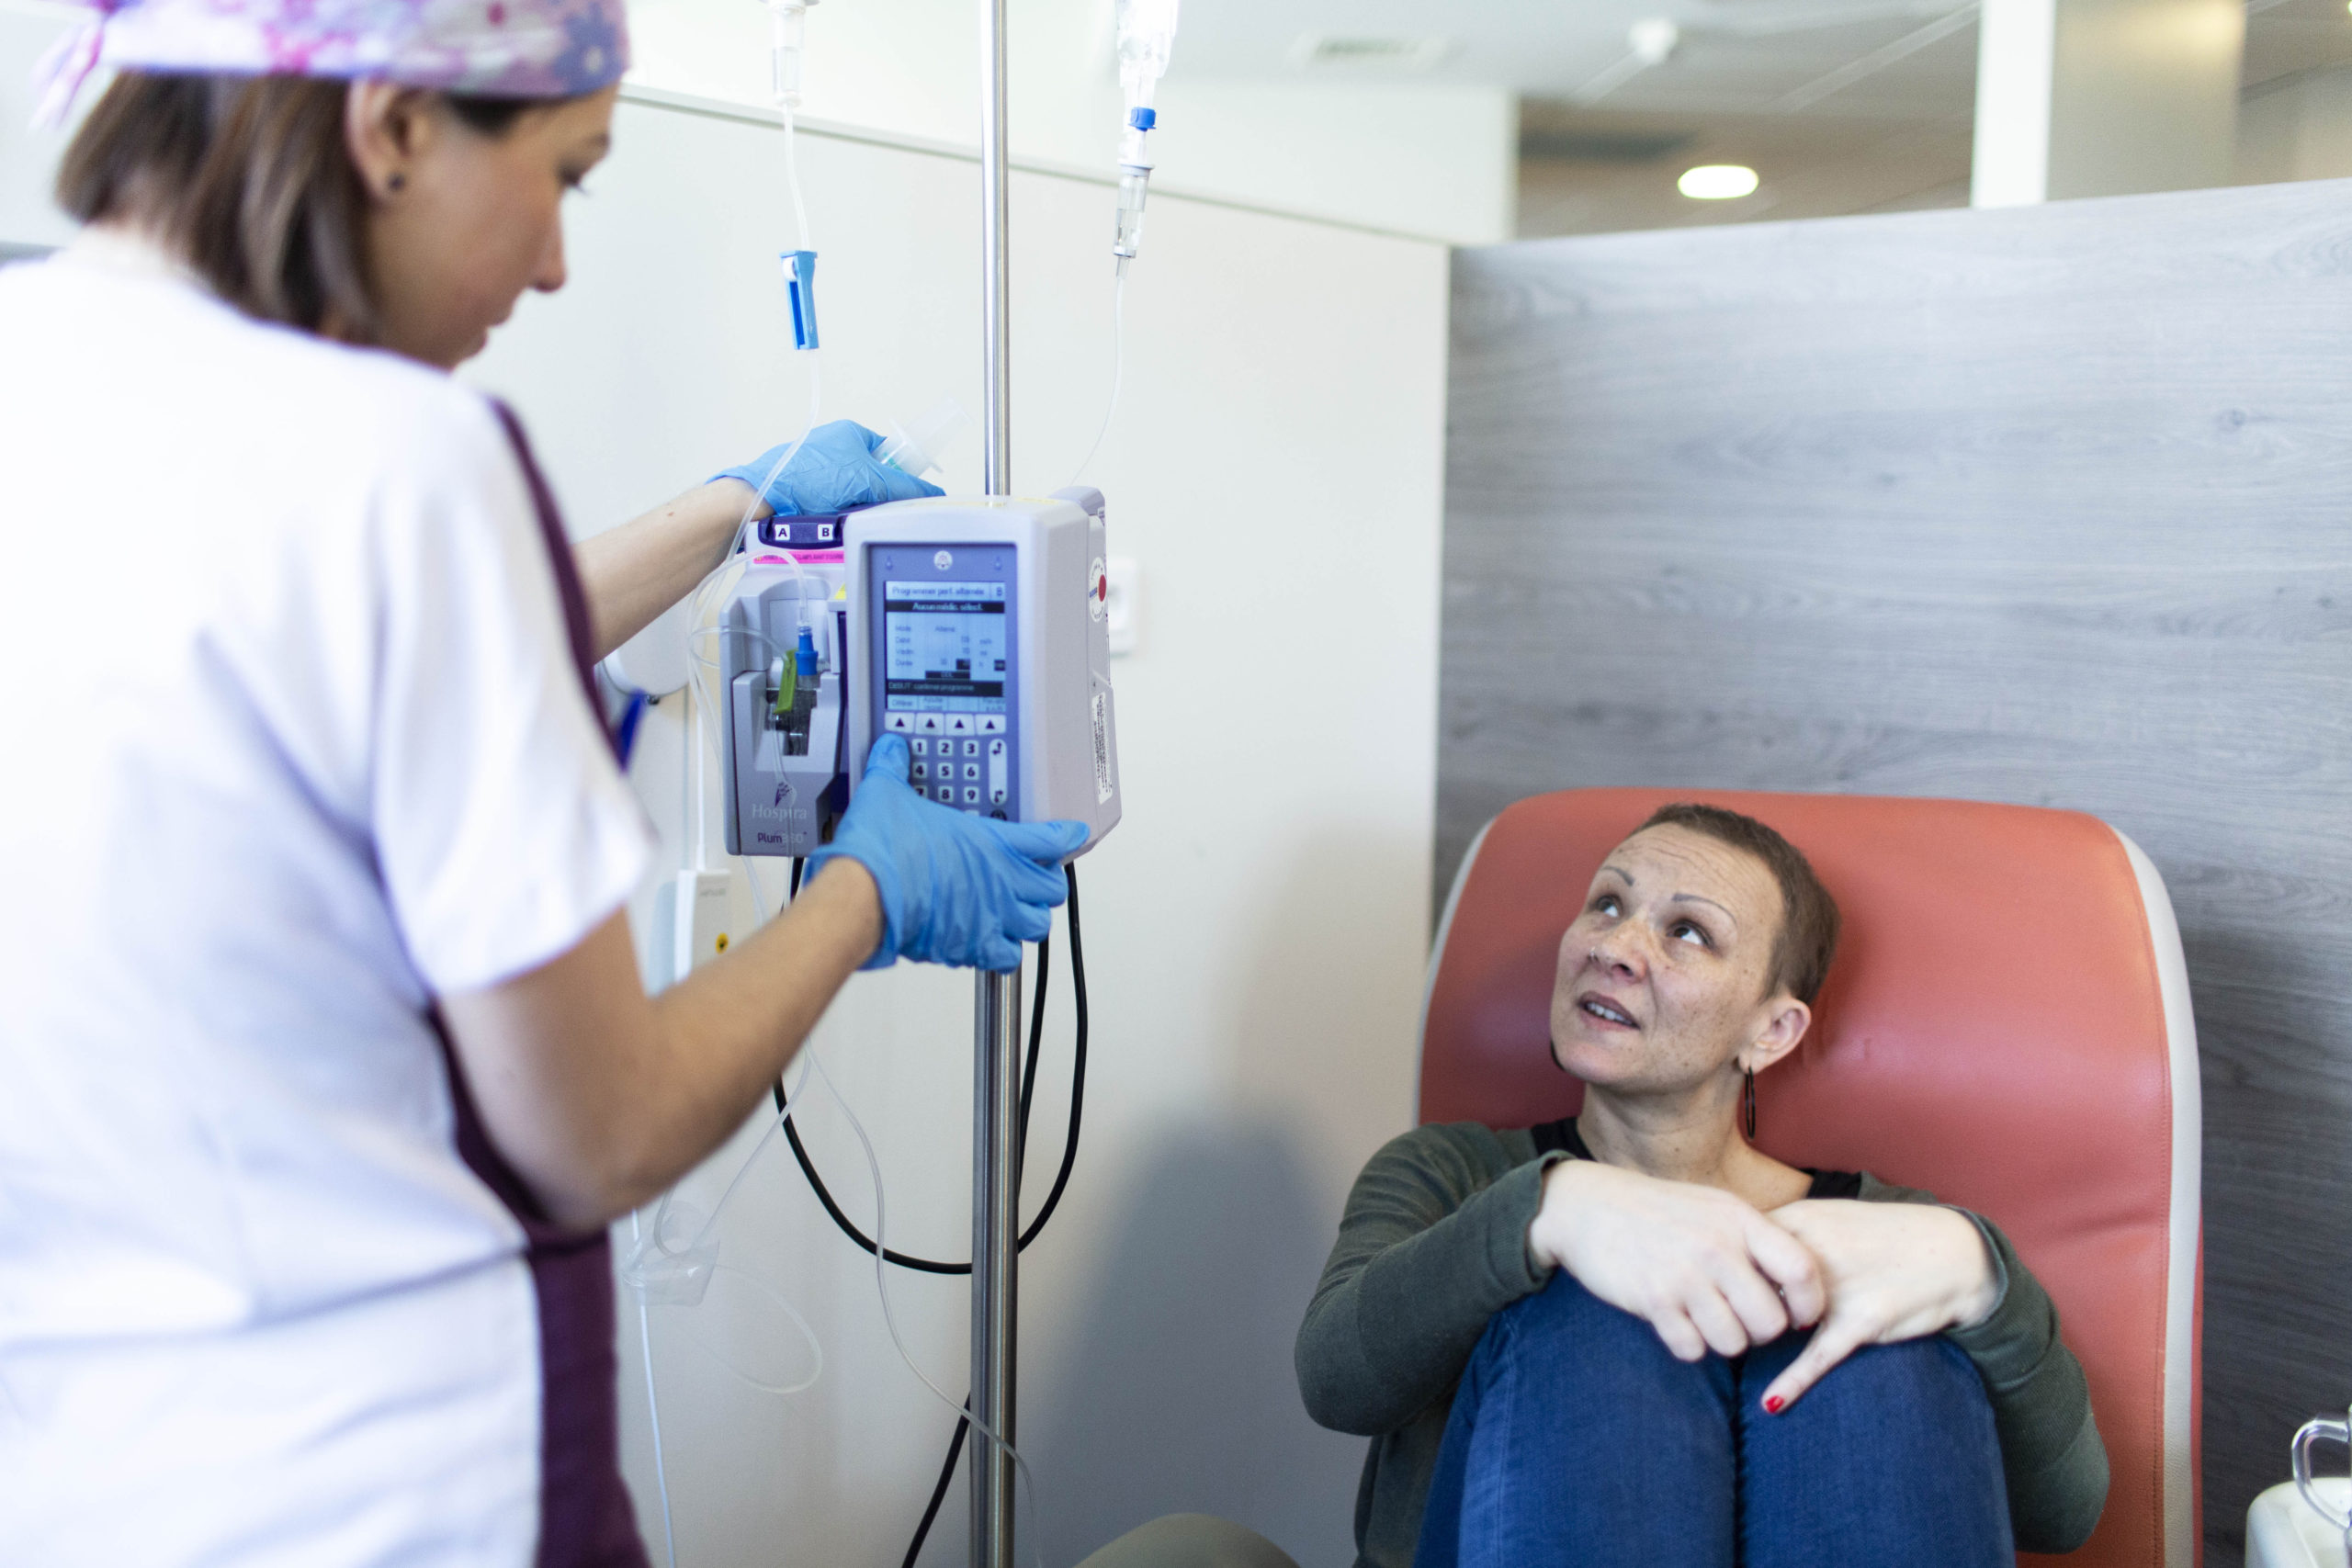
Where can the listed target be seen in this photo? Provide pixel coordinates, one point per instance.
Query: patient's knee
(1929, 1368)
(1565, 1319)
(1930, 1376)
(1189, 1541)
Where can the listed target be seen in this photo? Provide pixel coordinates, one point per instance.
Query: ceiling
(1843, 106)
(1732, 56)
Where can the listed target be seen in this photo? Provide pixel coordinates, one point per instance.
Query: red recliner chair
(2007, 1024)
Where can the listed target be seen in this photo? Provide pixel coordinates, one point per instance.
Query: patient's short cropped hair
(1808, 937)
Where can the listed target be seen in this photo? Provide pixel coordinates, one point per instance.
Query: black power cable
(1028, 1084)
(1070, 1145)
(939, 1492)
(1052, 1199)
(1069, 1154)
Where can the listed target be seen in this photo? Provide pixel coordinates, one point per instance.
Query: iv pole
(996, 1000)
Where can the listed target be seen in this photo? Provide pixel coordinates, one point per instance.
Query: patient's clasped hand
(1632, 1337)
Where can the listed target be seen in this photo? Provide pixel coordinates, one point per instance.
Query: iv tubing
(890, 1322)
(653, 1408)
(792, 175)
(816, 1347)
(699, 617)
(662, 1212)
(1118, 369)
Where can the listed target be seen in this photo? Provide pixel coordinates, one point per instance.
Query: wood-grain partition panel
(2048, 505)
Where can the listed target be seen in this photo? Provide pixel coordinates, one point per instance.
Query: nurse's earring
(396, 182)
(1748, 1104)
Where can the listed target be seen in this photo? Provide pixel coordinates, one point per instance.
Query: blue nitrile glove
(834, 470)
(956, 889)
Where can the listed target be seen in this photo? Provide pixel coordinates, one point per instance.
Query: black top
(1562, 1136)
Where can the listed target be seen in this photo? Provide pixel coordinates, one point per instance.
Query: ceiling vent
(1360, 51)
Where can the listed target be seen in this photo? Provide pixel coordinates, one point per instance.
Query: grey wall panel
(2050, 505)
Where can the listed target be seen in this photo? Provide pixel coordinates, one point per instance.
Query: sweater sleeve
(2050, 1452)
(1433, 1243)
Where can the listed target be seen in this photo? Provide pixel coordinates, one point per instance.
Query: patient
(1633, 1338)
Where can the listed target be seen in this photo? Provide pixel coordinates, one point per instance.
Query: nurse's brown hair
(247, 180)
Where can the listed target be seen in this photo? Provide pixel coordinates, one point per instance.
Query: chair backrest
(2007, 1025)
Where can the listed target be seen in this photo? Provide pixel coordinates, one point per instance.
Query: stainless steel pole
(996, 1000)
(996, 356)
(996, 1094)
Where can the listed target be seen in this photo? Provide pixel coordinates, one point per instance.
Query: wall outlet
(1120, 607)
(700, 920)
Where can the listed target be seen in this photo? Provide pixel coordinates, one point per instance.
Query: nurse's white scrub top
(297, 739)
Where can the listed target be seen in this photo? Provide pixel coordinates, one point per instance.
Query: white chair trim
(1437, 956)
(2186, 1212)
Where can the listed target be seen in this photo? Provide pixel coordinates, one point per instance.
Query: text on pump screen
(946, 646)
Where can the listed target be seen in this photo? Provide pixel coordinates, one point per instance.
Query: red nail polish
(1775, 1405)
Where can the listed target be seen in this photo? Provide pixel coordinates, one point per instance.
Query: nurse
(324, 1058)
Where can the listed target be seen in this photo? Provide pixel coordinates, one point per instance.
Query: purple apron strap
(585, 1520)
(576, 623)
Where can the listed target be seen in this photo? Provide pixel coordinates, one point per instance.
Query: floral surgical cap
(516, 48)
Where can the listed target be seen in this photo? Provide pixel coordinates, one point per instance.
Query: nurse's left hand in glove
(956, 888)
(832, 471)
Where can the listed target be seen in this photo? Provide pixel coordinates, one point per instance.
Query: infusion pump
(973, 629)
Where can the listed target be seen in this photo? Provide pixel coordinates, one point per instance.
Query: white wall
(1421, 158)
(2104, 97)
(28, 158)
(1439, 159)
(2297, 129)
(1256, 928)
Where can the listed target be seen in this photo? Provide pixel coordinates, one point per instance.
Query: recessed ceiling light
(1344, 51)
(1717, 182)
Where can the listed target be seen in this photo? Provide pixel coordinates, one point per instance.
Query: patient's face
(1662, 977)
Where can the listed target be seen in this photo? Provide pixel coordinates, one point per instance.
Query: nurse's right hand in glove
(833, 469)
(956, 889)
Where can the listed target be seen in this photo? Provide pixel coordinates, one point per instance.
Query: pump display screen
(941, 629)
(945, 647)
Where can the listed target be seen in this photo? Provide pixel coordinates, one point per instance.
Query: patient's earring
(1748, 1104)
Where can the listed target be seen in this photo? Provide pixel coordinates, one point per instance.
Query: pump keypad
(942, 633)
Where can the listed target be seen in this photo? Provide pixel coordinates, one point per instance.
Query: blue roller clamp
(800, 279)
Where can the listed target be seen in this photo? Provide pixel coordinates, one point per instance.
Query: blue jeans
(1578, 1441)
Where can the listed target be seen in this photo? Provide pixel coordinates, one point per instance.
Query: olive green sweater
(1435, 1243)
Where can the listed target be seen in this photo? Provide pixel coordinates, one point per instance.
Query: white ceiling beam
(2105, 97)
